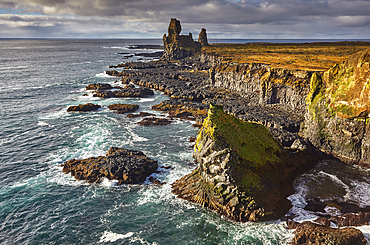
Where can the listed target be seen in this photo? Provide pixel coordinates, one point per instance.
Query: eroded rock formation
(178, 46)
(337, 120)
(84, 107)
(243, 172)
(126, 166)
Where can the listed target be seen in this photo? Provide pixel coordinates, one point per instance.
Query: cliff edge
(337, 118)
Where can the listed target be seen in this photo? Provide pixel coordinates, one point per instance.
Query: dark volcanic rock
(126, 166)
(128, 91)
(123, 108)
(99, 86)
(309, 233)
(243, 174)
(153, 55)
(141, 114)
(203, 38)
(85, 107)
(154, 121)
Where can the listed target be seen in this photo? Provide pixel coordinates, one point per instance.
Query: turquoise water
(41, 205)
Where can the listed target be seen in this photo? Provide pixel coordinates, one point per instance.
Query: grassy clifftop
(300, 56)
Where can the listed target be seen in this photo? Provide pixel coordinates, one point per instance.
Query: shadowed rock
(123, 108)
(84, 107)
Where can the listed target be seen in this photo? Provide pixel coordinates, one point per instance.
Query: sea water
(39, 204)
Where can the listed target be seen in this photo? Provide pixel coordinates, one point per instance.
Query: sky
(223, 19)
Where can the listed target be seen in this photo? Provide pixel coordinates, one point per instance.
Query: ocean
(39, 80)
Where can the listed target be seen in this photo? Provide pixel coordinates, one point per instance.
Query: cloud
(322, 18)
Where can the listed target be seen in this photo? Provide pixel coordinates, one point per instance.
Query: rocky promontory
(126, 166)
(243, 172)
(337, 119)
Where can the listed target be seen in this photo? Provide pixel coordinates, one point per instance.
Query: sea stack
(243, 172)
(178, 46)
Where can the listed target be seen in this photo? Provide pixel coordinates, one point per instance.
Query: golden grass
(301, 56)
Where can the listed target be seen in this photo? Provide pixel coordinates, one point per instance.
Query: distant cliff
(178, 46)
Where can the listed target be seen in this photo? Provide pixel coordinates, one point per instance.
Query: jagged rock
(178, 46)
(85, 107)
(338, 110)
(315, 234)
(123, 108)
(154, 121)
(128, 91)
(203, 38)
(141, 114)
(126, 166)
(99, 86)
(243, 172)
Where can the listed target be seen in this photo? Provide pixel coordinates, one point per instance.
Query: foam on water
(103, 75)
(109, 236)
(42, 123)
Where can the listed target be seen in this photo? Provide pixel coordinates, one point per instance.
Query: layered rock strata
(126, 92)
(126, 166)
(337, 120)
(243, 173)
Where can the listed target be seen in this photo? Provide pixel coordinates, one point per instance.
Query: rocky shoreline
(292, 117)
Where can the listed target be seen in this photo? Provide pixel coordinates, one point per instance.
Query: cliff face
(337, 120)
(263, 84)
(243, 172)
(178, 46)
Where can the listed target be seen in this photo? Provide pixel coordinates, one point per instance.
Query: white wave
(109, 236)
(117, 47)
(365, 229)
(13, 67)
(146, 99)
(41, 123)
(109, 183)
(54, 115)
(340, 182)
(102, 74)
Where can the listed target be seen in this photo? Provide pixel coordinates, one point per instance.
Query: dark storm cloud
(235, 16)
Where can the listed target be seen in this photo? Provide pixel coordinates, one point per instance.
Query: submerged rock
(244, 173)
(338, 110)
(126, 166)
(84, 107)
(141, 114)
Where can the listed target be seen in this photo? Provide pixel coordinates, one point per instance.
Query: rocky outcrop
(126, 92)
(126, 166)
(154, 121)
(315, 234)
(84, 107)
(141, 114)
(203, 38)
(99, 86)
(243, 172)
(178, 46)
(123, 108)
(337, 120)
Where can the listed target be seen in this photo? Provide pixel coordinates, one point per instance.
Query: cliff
(243, 172)
(338, 110)
(178, 46)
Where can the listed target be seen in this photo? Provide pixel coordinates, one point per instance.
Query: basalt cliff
(337, 118)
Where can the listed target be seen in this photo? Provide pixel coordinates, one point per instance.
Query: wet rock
(154, 121)
(84, 107)
(126, 166)
(123, 108)
(127, 92)
(243, 173)
(99, 86)
(309, 233)
(141, 114)
(351, 219)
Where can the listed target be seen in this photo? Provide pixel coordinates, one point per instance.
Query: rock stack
(178, 46)
(243, 173)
